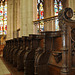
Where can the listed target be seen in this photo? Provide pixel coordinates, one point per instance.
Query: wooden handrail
(46, 18)
(74, 11)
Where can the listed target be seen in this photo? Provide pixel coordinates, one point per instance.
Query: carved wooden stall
(19, 47)
(49, 39)
(8, 50)
(38, 52)
(51, 53)
(8, 46)
(55, 56)
(30, 55)
(21, 53)
(7, 42)
(67, 26)
(4, 50)
(14, 47)
(58, 53)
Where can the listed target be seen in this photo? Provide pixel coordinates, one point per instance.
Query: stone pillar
(72, 5)
(25, 18)
(48, 11)
(34, 16)
(65, 3)
(30, 17)
(21, 17)
(9, 19)
(18, 18)
(15, 18)
(52, 13)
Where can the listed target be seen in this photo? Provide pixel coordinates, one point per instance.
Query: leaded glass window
(3, 17)
(40, 15)
(57, 8)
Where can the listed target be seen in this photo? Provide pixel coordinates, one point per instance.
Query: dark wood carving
(67, 26)
(8, 46)
(30, 56)
(38, 52)
(57, 56)
(8, 50)
(19, 47)
(51, 53)
(11, 48)
(5, 49)
(14, 46)
(21, 53)
(73, 46)
(49, 49)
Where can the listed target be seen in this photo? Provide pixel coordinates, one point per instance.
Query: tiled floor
(7, 68)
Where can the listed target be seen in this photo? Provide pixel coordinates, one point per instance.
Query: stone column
(25, 18)
(18, 18)
(52, 13)
(10, 19)
(72, 5)
(35, 15)
(15, 18)
(48, 11)
(21, 17)
(30, 17)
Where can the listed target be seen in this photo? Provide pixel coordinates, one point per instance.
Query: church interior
(37, 37)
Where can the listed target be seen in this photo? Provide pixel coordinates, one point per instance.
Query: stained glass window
(40, 15)
(3, 17)
(57, 8)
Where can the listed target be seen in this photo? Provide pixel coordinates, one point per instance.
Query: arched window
(3, 17)
(57, 8)
(40, 15)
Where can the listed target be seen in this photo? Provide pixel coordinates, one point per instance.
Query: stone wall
(22, 13)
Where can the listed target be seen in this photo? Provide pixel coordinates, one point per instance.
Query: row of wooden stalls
(49, 53)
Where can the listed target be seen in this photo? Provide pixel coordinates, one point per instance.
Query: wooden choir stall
(49, 53)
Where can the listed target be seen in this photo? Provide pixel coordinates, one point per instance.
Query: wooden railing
(45, 19)
(49, 23)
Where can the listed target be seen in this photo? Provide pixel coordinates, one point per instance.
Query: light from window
(3, 17)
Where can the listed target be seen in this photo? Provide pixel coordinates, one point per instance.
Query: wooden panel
(57, 43)
(53, 70)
